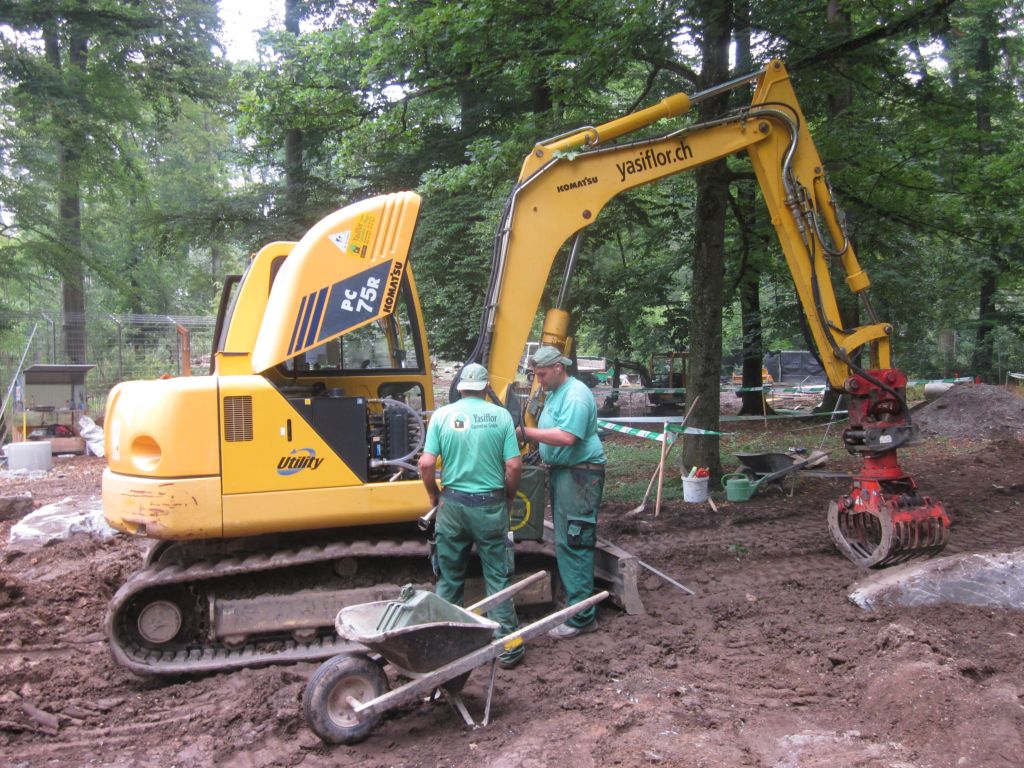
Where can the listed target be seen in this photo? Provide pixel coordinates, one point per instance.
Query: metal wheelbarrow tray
(755, 464)
(435, 644)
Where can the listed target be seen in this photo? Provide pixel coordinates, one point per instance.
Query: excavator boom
(566, 182)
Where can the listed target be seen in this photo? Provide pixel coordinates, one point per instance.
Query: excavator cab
(321, 377)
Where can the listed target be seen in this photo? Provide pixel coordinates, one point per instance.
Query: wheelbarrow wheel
(326, 700)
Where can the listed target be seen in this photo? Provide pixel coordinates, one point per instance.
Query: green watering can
(739, 487)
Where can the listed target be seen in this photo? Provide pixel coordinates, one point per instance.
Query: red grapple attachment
(883, 520)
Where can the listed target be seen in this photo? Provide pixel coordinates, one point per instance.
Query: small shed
(49, 400)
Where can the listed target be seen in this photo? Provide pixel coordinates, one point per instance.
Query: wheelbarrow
(435, 644)
(741, 486)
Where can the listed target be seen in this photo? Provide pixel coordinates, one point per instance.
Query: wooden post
(661, 467)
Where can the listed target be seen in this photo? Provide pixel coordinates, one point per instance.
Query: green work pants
(575, 498)
(457, 528)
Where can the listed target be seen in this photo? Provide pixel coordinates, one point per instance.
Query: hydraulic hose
(402, 461)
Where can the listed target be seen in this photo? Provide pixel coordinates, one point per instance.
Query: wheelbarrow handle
(499, 597)
(786, 470)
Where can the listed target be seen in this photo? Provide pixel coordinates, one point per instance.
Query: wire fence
(120, 347)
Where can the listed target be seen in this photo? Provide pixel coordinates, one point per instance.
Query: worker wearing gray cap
(569, 445)
(480, 473)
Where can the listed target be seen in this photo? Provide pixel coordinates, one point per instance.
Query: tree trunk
(469, 109)
(839, 100)
(69, 204)
(984, 352)
(984, 347)
(294, 170)
(709, 252)
(752, 395)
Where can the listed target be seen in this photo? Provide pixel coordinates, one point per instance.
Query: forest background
(141, 165)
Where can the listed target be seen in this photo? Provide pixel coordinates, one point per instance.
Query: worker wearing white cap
(480, 472)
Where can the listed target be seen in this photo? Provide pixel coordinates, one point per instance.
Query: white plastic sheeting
(92, 434)
(60, 520)
(30, 455)
(971, 578)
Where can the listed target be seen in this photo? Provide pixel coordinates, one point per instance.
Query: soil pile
(974, 410)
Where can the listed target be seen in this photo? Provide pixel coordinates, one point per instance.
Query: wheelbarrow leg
(490, 691)
(456, 702)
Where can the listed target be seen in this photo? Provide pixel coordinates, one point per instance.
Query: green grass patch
(632, 460)
(630, 465)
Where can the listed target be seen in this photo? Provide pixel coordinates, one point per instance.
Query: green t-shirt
(571, 408)
(474, 439)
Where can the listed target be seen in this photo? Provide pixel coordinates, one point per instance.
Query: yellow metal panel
(344, 273)
(379, 503)
(250, 302)
(185, 508)
(809, 267)
(567, 196)
(251, 466)
(163, 428)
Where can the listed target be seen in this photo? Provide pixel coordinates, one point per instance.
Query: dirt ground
(769, 665)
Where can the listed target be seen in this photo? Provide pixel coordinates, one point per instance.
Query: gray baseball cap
(548, 356)
(473, 378)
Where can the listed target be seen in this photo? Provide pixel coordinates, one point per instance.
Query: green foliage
(739, 551)
(90, 90)
(182, 171)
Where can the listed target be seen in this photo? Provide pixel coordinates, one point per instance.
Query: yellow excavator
(283, 485)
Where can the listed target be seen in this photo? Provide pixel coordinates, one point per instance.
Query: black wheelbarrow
(755, 465)
(758, 470)
(432, 643)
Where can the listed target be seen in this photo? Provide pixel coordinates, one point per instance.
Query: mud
(768, 665)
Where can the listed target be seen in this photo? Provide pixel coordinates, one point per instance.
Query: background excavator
(283, 485)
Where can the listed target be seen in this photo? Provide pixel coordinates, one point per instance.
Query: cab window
(388, 344)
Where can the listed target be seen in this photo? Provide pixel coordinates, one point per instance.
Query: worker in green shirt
(480, 472)
(569, 445)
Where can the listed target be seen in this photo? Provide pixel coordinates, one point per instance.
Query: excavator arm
(564, 184)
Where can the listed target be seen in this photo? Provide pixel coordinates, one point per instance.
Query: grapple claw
(874, 529)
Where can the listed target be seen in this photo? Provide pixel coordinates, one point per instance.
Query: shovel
(650, 486)
(661, 465)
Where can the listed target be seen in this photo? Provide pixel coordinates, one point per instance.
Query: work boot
(512, 659)
(563, 631)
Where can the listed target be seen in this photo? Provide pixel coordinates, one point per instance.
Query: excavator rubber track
(168, 588)
(162, 584)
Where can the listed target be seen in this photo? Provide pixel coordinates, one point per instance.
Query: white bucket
(695, 489)
(29, 455)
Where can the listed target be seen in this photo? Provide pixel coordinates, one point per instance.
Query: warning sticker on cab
(340, 239)
(362, 233)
